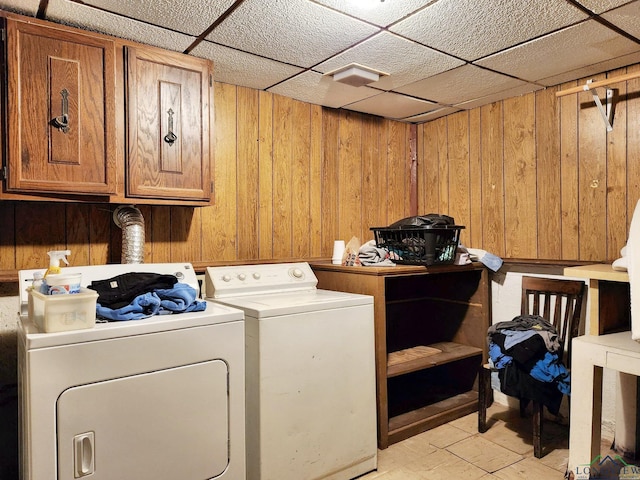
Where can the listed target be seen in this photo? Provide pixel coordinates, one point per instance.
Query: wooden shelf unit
(430, 333)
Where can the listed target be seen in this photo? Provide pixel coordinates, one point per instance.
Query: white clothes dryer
(160, 398)
(310, 372)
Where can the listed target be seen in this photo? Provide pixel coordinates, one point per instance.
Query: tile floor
(457, 451)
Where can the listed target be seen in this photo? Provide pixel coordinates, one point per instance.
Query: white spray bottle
(54, 261)
(55, 282)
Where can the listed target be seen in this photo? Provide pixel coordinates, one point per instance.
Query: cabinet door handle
(62, 122)
(170, 137)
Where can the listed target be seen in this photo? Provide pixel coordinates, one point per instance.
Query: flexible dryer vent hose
(130, 220)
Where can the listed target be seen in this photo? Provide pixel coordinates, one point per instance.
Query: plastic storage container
(59, 313)
(63, 283)
(420, 245)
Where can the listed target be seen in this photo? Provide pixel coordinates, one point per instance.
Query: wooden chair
(561, 303)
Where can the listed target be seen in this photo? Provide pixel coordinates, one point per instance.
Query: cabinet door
(61, 111)
(168, 114)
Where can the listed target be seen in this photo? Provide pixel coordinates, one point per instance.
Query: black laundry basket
(420, 245)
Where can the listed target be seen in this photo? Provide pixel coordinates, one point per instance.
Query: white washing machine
(310, 372)
(155, 399)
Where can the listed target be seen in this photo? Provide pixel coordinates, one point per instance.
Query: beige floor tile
(388, 461)
(444, 435)
(496, 412)
(390, 473)
(556, 454)
(527, 469)
(499, 413)
(456, 451)
(371, 475)
(483, 453)
(509, 429)
(502, 412)
(402, 453)
(468, 423)
(400, 473)
(443, 465)
(557, 430)
(511, 435)
(421, 444)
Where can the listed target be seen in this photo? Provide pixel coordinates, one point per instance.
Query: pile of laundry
(134, 296)
(370, 254)
(527, 355)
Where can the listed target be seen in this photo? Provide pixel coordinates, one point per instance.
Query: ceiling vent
(356, 75)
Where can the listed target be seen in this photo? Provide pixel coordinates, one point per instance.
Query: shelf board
(428, 417)
(432, 299)
(427, 356)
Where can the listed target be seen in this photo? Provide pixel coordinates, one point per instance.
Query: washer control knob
(241, 276)
(179, 275)
(297, 273)
(256, 275)
(226, 278)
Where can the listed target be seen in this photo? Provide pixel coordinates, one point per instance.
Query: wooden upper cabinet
(167, 98)
(61, 111)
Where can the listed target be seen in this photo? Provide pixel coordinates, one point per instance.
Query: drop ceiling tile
(313, 87)
(627, 18)
(405, 61)
(599, 6)
(268, 44)
(459, 85)
(471, 29)
(186, 16)
(426, 117)
(231, 66)
(584, 72)
(575, 47)
(294, 31)
(376, 11)
(24, 7)
(501, 95)
(89, 18)
(392, 105)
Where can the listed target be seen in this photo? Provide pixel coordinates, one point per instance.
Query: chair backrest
(558, 301)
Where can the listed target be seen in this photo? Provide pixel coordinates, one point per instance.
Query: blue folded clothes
(179, 299)
(142, 306)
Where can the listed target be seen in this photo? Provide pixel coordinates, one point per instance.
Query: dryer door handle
(84, 454)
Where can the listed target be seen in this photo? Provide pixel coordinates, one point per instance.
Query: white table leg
(626, 401)
(586, 407)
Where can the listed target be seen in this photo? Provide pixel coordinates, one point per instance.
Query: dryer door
(168, 424)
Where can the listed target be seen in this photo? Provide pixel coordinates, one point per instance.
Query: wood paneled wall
(537, 177)
(290, 178)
